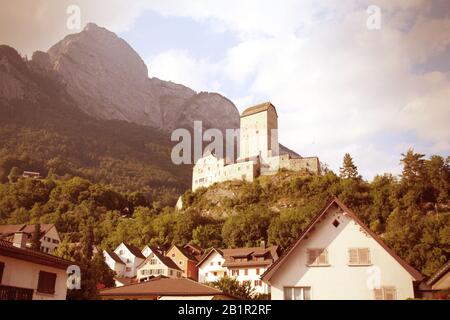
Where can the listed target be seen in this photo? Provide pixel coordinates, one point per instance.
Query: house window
(128, 269)
(211, 263)
(225, 274)
(215, 273)
(219, 263)
(258, 283)
(2, 267)
(121, 252)
(359, 256)
(246, 272)
(179, 274)
(171, 272)
(234, 272)
(317, 257)
(297, 293)
(257, 271)
(385, 293)
(206, 274)
(46, 282)
(173, 255)
(153, 261)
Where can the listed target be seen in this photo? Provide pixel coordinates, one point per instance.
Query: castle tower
(259, 133)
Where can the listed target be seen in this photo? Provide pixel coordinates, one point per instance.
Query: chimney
(20, 239)
(263, 244)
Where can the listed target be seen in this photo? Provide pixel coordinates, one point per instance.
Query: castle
(258, 152)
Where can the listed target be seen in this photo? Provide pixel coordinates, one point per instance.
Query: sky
(371, 78)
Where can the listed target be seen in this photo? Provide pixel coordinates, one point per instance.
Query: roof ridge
(335, 200)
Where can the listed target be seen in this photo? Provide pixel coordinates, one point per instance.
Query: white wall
(206, 272)
(48, 244)
(340, 281)
(24, 274)
(118, 268)
(129, 259)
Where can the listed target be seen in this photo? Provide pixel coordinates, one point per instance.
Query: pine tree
(348, 169)
(36, 239)
(87, 243)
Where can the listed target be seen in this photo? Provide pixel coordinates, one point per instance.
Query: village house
(49, 235)
(130, 258)
(243, 264)
(26, 274)
(156, 264)
(258, 152)
(164, 288)
(338, 257)
(184, 260)
(438, 286)
(114, 263)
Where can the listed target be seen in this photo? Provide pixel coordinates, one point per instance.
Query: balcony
(15, 293)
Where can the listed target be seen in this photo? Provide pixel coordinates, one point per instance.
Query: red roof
(10, 229)
(163, 286)
(231, 256)
(7, 249)
(335, 201)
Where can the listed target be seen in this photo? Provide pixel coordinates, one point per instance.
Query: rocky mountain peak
(109, 80)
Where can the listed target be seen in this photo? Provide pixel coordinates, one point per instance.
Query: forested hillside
(411, 213)
(44, 131)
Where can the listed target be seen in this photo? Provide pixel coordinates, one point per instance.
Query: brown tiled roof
(335, 201)
(271, 254)
(7, 249)
(186, 253)
(114, 256)
(10, 229)
(258, 108)
(165, 260)
(162, 286)
(194, 248)
(439, 274)
(134, 250)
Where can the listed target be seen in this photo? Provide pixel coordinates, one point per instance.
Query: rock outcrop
(109, 80)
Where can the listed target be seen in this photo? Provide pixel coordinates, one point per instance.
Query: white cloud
(180, 67)
(337, 85)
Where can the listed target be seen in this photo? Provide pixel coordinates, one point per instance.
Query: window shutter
(323, 257)
(352, 256)
(2, 267)
(389, 293)
(46, 282)
(311, 256)
(378, 294)
(364, 256)
(288, 293)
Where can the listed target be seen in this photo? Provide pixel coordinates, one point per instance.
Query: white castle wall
(258, 154)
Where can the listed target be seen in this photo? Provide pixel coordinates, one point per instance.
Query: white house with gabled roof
(338, 257)
(130, 256)
(242, 264)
